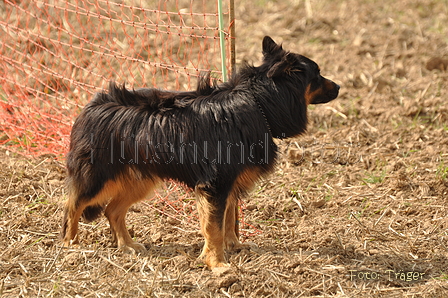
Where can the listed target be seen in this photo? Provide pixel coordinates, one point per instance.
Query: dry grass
(364, 191)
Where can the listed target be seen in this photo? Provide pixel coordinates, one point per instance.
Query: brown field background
(363, 194)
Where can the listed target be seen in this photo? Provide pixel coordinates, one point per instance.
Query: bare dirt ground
(357, 207)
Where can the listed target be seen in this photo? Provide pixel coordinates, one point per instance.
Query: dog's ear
(270, 47)
(284, 66)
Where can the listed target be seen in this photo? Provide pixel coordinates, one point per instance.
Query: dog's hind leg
(132, 192)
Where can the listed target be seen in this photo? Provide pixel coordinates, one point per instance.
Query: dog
(216, 140)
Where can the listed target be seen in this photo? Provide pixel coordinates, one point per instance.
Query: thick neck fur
(280, 98)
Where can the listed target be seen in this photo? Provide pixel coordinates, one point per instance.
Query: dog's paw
(221, 268)
(133, 247)
(237, 245)
(70, 243)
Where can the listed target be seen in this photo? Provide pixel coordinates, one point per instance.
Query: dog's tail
(92, 212)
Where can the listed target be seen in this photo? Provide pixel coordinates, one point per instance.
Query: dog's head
(283, 64)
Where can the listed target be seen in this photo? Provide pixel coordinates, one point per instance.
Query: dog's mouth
(332, 94)
(327, 95)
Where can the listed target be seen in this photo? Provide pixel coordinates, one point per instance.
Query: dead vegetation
(357, 207)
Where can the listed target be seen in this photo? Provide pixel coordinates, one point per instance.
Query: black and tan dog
(217, 140)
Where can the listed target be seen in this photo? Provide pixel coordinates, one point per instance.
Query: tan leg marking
(213, 251)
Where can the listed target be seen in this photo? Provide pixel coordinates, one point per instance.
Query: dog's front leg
(211, 214)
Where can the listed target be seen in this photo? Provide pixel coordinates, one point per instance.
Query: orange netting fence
(55, 54)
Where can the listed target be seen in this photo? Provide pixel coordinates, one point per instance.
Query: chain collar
(264, 116)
